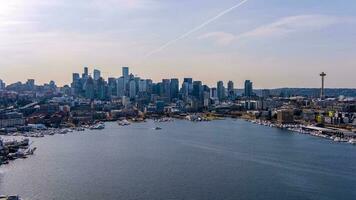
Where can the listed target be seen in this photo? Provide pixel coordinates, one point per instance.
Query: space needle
(322, 92)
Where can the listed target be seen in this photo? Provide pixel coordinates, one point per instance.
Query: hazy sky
(275, 43)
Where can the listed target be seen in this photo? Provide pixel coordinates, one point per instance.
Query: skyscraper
(85, 75)
(132, 88)
(230, 90)
(198, 90)
(248, 88)
(126, 76)
(30, 84)
(221, 91)
(89, 88)
(125, 71)
(97, 74)
(75, 77)
(120, 87)
(189, 82)
(101, 89)
(174, 88)
(112, 87)
(2, 85)
(142, 85)
(76, 84)
(213, 93)
(166, 89)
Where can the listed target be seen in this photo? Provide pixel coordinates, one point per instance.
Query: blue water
(227, 159)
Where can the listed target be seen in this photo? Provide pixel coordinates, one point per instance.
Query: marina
(326, 133)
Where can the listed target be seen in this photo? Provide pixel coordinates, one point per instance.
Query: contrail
(196, 28)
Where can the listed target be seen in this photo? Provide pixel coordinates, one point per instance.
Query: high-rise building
(30, 84)
(89, 88)
(214, 93)
(2, 85)
(126, 76)
(174, 88)
(132, 88)
(85, 75)
(230, 90)
(101, 89)
(125, 71)
(121, 87)
(189, 82)
(166, 89)
(198, 90)
(75, 77)
(97, 74)
(112, 87)
(76, 84)
(149, 86)
(248, 89)
(221, 91)
(142, 85)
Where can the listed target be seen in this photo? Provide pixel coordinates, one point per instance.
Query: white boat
(98, 126)
(123, 122)
(352, 141)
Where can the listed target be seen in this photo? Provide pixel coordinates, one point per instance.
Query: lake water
(227, 159)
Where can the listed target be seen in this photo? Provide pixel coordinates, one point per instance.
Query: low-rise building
(285, 116)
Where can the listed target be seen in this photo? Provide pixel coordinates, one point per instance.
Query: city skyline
(273, 44)
(96, 73)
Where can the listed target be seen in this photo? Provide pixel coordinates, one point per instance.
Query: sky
(274, 43)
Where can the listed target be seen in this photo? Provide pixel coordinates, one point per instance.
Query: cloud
(293, 24)
(281, 27)
(221, 38)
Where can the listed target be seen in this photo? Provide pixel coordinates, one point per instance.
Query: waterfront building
(248, 89)
(11, 119)
(285, 116)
